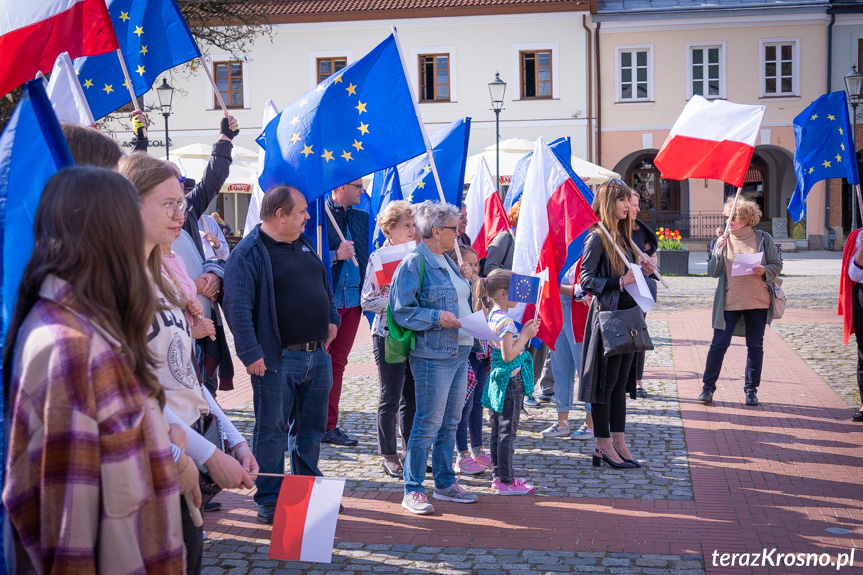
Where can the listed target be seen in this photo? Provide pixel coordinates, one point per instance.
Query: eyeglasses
(453, 228)
(359, 186)
(172, 207)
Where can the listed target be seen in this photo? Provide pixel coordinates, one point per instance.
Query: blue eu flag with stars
(823, 148)
(385, 189)
(449, 148)
(359, 120)
(523, 288)
(153, 37)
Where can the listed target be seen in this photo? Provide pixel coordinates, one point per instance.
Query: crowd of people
(117, 351)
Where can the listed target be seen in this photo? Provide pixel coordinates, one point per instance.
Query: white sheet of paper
(640, 291)
(743, 263)
(476, 325)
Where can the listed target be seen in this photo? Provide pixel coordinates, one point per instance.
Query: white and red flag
(304, 526)
(713, 140)
(34, 33)
(386, 259)
(66, 94)
(486, 216)
(553, 214)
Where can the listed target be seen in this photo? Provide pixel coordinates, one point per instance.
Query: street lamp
(166, 96)
(853, 88)
(497, 88)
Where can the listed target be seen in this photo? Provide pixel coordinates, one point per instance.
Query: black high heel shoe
(633, 462)
(598, 459)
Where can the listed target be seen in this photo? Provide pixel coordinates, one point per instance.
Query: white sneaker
(583, 432)
(555, 430)
(417, 503)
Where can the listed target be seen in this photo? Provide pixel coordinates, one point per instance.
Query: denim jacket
(421, 311)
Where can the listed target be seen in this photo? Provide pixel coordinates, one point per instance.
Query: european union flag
(449, 147)
(385, 189)
(153, 36)
(359, 120)
(823, 148)
(523, 288)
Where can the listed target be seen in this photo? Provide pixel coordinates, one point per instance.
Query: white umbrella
(206, 150)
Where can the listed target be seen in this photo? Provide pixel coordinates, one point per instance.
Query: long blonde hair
(604, 206)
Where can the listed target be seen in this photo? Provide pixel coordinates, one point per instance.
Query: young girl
(476, 460)
(510, 379)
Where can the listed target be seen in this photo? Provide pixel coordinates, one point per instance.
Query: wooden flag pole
(129, 86)
(207, 231)
(640, 255)
(733, 207)
(860, 203)
(338, 231)
(213, 83)
(539, 295)
(194, 512)
(620, 251)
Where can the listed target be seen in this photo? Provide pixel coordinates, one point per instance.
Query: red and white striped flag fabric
(34, 33)
(713, 140)
(486, 216)
(304, 527)
(386, 259)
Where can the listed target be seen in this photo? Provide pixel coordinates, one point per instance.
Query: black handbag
(210, 428)
(623, 331)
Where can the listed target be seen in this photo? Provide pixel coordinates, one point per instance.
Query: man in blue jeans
(281, 310)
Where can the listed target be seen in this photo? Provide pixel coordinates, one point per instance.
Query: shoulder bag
(623, 331)
(779, 301)
(400, 341)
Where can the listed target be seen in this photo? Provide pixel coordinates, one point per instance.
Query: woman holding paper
(397, 400)
(743, 304)
(605, 271)
(428, 295)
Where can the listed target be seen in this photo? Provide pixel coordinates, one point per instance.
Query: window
(707, 70)
(434, 77)
(328, 66)
(779, 68)
(536, 74)
(229, 80)
(634, 73)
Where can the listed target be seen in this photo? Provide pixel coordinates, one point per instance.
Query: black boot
(751, 397)
(706, 397)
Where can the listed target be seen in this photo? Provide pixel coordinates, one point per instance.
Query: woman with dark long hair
(91, 482)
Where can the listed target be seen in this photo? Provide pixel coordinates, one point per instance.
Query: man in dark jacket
(280, 308)
(347, 285)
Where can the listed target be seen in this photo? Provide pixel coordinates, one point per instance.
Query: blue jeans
(440, 386)
(565, 361)
(296, 396)
(471, 415)
(755, 321)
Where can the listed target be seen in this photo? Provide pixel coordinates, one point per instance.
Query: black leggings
(857, 317)
(611, 414)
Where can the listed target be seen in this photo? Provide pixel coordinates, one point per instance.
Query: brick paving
(723, 478)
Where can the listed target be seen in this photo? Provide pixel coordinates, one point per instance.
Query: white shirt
(222, 251)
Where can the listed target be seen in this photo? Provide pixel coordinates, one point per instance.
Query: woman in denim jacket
(428, 295)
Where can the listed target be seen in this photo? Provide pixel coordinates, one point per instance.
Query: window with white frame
(780, 65)
(706, 73)
(634, 73)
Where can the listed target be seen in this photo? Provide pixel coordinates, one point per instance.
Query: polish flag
(34, 33)
(553, 214)
(386, 259)
(66, 94)
(712, 140)
(304, 527)
(486, 216)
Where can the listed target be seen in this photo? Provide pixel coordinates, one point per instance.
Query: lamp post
(853, 88)
(497, 88)
(166, 97)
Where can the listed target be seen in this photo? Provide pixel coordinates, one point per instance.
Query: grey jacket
(772, 262)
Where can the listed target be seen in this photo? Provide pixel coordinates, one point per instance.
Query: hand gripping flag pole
(339, 231)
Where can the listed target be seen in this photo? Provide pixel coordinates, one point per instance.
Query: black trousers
(193, 538)
(504, 427)
(857, 318)
(636, 371)
(396, 402)
(610, 417)
(755, 321)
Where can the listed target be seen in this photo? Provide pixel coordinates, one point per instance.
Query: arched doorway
(770, 182)
(660, 198)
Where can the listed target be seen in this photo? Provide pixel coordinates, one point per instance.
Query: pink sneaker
(469, 466)
(517, 487)
(495, 482)
(483, 458)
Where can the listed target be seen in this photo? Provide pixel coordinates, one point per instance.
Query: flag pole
(206, 68)
(129, 85)
(640, 255)
(425, 133)
(620, 251)
(859, 202)
(338, 230)
(542, 279)
(734, 207)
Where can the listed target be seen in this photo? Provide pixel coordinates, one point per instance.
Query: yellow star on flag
(814, 117)
(347, 156)
(410, 197)
(361, 107)
(88, 83)
(304, 102)
(842, 146)
(838, 158)
(140, 70)
(426, 169)
(358, 145)
(840, 131)
(352, 89)
(108, 88)
(139, 30)
(295, 138)
(327, 155)
(318, 88)
(124, 16)
(364, 128)
(307, 151)
(144, 50)
(811, 170)
(295, 120)
(826, 164)
(831, 117)
(421, 185)
(126, 84)
(338, 79)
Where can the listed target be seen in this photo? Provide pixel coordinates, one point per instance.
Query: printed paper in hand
(640, 291)
(743, 263)
(476, 325)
